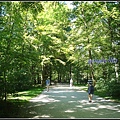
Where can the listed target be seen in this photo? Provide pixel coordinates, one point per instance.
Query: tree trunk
(4, 79)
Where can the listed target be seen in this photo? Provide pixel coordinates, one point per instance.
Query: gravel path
(63, 101)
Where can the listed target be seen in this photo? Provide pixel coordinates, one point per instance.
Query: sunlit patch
(101, 106)
(101, 113)
(20, 98)
(56, 91)
(36, 117)
(35, 100)
(73, 97)
(86, 108)
(106, 100)
(70, 111)
(60, 96)
(72, 117)
(71, 101)
(62, 91)
(81, 91)
(80, 106)
(61, 87)
(63, 96)
(111, 107)
(37, 105)
(44, 116)
(99, 98)
(114, 109)
(39, 97)
(44, 100)
(24, 92)
(93, 108)
(83, 101)
(32, 112)
(51, 107)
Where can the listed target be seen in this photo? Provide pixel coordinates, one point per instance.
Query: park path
(63, 101)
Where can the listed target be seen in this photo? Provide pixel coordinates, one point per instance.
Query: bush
(114, 89)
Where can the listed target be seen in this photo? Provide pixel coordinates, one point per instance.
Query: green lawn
(11, 107)
(99, 93)
(26, 95)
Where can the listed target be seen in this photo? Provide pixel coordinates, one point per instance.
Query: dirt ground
(63, 101)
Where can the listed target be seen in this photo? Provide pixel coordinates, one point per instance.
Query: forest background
(48, 39)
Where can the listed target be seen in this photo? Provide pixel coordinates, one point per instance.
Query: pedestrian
(47, 84)
(71, 82)
(91, 85)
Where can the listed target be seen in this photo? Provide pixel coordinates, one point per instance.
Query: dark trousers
(91, 90)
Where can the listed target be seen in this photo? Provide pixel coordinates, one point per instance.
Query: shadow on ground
(63, 101)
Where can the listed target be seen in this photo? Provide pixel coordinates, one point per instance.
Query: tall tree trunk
(91, 65)
(91, 74)
(70, 70)
(5, 84)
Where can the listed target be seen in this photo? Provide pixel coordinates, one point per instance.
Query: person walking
(47, 84)
(91, 85)
(71, 82)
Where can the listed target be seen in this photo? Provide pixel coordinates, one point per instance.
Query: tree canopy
(47, 39)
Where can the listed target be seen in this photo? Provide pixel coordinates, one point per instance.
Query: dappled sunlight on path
(63, 101)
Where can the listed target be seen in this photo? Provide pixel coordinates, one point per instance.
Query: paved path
(63, 101)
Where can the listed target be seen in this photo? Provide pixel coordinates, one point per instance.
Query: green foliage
(35, 7)
(16, 103)
(113, 88)
(39, 39)
(108, 88)
(100, 85)
(26, 95)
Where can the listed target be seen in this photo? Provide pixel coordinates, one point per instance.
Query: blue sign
(110, 60)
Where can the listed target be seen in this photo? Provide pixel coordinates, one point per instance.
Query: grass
(10, 108)
(26, 95)
(100, 93)
(104, 95)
